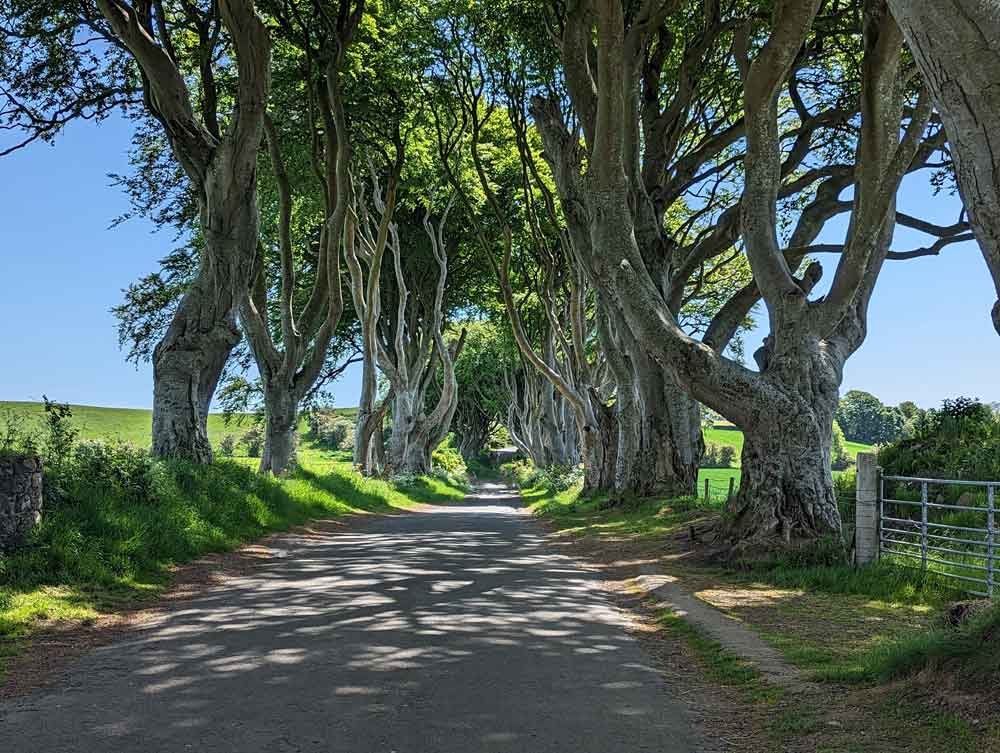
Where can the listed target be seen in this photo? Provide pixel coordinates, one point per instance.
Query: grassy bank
(104, 548)
(891, 673)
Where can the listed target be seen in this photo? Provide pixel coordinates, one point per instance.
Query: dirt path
(455, 629)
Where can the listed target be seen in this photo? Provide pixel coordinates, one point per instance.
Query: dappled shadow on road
(453, 629)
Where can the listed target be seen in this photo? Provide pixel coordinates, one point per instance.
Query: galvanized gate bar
(990, 533)
(924, 539)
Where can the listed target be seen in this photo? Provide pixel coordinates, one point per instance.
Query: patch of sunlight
(21, 609)
(731, 598)
(895, 606)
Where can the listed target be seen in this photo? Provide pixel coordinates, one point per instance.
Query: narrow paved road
(453, 630)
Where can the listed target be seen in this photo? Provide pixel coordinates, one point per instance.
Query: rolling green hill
(134, 425)
(128, 424)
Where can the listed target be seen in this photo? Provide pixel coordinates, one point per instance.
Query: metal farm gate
(944, 526)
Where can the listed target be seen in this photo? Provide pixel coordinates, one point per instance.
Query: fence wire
(948, 527)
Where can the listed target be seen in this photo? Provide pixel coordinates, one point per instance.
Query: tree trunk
(282, 407)
(600, 451)
(188, 361)
(366, 425)
(786, 488)
(187, 365)
(670, 441)
(956, 44)
(552, 425)
(472, 442)
(406, 453)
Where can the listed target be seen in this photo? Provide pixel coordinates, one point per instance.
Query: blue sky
(62, 268)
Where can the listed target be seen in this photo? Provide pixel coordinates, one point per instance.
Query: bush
(114, 467)
(331, 430)
(519, 473)
(838, 454)
(524, 475)
(16, 436)
(60, 435)
(959, 441)
(253, 441)
(448, 463)
(718, 456)
(227, 446)
(727, 453)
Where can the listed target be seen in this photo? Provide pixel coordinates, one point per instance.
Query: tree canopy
(559, 217)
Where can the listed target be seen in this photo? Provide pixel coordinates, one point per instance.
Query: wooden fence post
(866, 513)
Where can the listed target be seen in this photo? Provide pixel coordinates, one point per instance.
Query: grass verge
(104, 550)
(887, 666)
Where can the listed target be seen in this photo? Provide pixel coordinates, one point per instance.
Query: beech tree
(642, 433)
(407, 340)
(79, 59)
(786, 408)
(291, 357)
(956, 44)
(482, 396)
(540, 421)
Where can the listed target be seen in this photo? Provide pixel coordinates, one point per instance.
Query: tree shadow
(455, 629)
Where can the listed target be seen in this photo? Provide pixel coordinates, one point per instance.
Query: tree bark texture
(956, 44)
(222, 168)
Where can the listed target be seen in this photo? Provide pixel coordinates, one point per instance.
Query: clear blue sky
(62, 268)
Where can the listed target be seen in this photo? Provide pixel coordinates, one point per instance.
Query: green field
(730, 435)
(132, 425)
(718, 478)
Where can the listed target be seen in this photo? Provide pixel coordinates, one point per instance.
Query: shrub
(115, 467)
(524, 474)
(718, 456)
(331, 430)
(520, 473)
(253, 441)
(838, 454)
(448, 463)
(55, 445)
(959, 441)
(727, 453)
(560, 478)
(16, 436)
(448, 457)
(227, 446)
(60, 435)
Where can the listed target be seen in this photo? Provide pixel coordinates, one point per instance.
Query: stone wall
(20, 498)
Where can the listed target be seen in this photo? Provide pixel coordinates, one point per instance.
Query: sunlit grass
(577, 515)
(101, 552)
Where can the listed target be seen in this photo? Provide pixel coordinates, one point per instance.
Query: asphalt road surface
(451, 630)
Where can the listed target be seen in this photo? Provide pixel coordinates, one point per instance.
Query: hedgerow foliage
(959, 441)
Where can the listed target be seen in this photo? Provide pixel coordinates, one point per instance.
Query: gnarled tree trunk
(670, 441)
(187, 366)
(407, 450)
(600, 450)
(956, 44)
(786, 486)
(222, 168)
